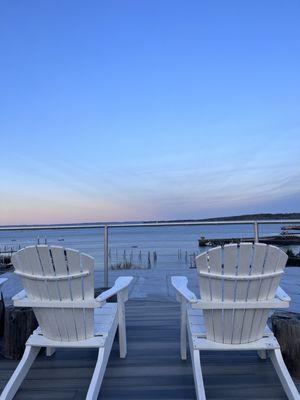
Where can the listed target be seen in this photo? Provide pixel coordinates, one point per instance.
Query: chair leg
(262, 354)
(98, 375)
(197, 371)
(183, 329)
(122, 328)
(20, 372)
(50, 351)
(198, 378)
(283, 374)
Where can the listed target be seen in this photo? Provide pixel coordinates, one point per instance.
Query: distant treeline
(244, 217)
(257, 217)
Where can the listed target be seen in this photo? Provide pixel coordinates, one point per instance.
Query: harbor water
(146, 247)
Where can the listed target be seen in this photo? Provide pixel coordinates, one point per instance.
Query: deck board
(152, 369)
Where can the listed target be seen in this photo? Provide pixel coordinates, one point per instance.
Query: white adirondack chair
(59, 285)
(239, 286)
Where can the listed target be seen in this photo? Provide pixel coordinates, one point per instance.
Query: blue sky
(132, 110)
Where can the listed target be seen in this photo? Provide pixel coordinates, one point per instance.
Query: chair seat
(105, 325)
(196, 325)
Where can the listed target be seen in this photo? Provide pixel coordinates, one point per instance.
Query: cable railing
(107, 227)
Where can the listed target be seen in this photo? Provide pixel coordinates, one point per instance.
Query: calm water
(173, 245)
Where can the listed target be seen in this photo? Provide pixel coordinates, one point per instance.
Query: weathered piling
(286, 328)
(19, 324)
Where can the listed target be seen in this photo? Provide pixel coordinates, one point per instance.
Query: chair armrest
(121, 284)
(19, 296)
(281, 295)
(2, 280)
(21, 300)
(180, 285)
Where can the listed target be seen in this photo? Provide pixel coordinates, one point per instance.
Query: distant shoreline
(243, 217)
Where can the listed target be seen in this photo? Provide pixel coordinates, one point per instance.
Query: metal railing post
(105, 256)
(256, 232)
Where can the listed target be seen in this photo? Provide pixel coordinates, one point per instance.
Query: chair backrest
(239, 273)
(51, 273)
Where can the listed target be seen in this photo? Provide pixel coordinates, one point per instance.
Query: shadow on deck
(152, 369)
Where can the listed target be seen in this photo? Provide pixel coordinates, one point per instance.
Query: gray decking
(152, 369)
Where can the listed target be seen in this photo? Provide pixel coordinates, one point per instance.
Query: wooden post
(19, 324)
(286, 328)
(154, 257)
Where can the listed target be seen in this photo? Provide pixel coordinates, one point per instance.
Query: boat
(283, 240)
(291, 228)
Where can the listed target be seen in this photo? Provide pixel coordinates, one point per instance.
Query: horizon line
(262, 216)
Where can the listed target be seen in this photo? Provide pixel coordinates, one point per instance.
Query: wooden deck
(152, 369)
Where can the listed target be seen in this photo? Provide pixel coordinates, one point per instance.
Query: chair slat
(87, 264)
(230, 268)
(245, 252)
(259, 255)
(61, 269)
(19, 264)
(46, 318)
(281, 263)
(215, 264)
(270, 265)
(244, 262)
(54, 315)
(26, 259)
(205, 291)
(46, 261)
(74, 266)
(60, 265)
(33, 261)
